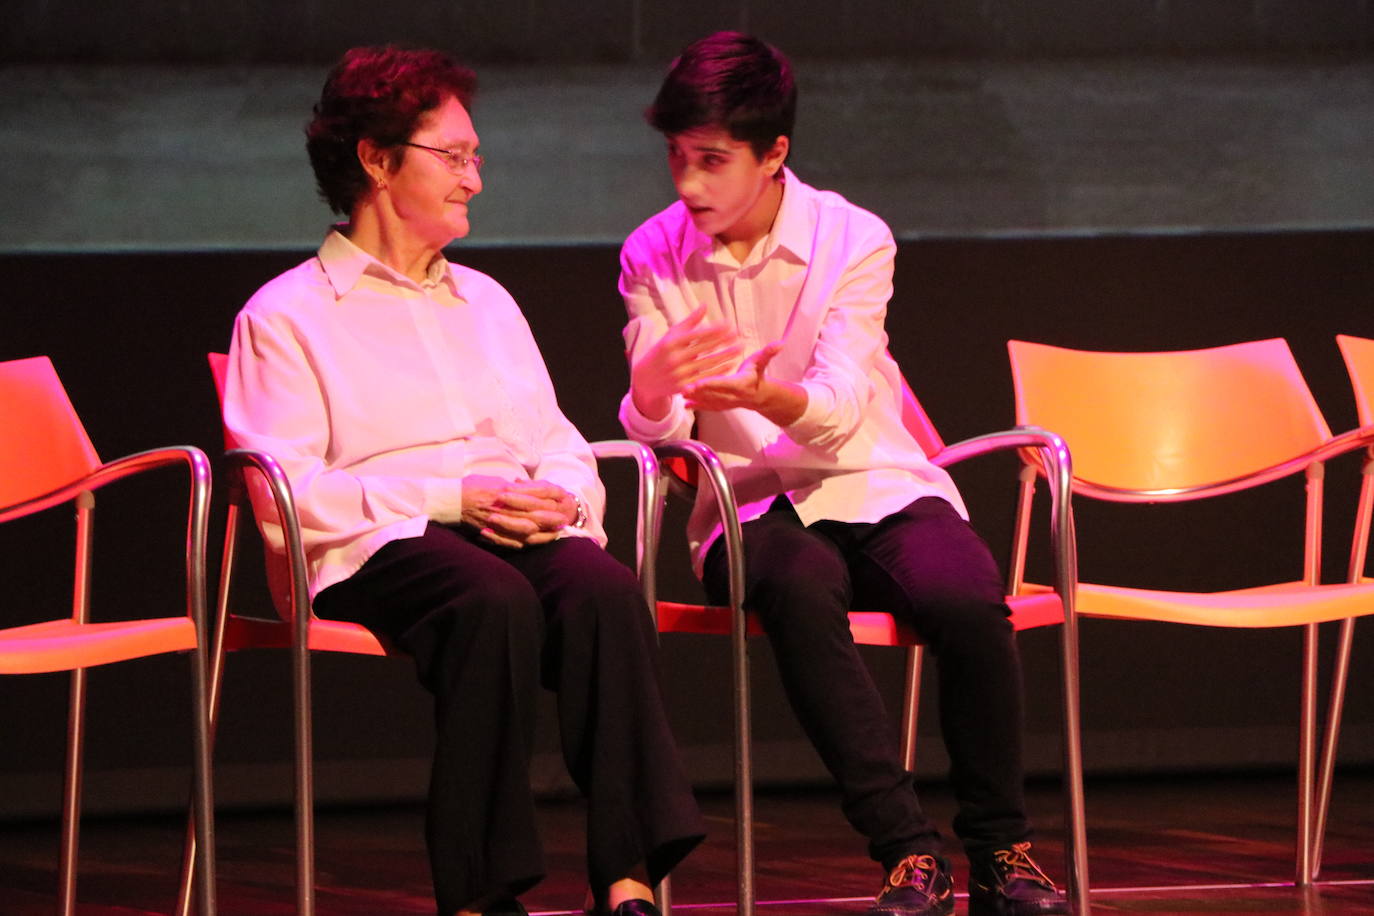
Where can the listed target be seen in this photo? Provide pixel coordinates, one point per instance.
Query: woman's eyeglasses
(457, 162)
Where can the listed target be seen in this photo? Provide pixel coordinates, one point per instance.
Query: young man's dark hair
(728, 80)
(378, 94)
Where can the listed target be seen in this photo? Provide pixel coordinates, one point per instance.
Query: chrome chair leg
(1340, 675)
(71, 795)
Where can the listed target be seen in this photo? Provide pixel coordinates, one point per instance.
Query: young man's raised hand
(690, 351)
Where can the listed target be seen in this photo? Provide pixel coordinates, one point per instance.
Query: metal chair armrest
(1352, 440)
(118, 469)
(1348, 441)
(649, 513)
(713, 471)
(197, 516)
(279, 487)
(1056, 463)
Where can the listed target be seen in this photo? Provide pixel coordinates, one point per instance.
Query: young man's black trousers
(926, 565)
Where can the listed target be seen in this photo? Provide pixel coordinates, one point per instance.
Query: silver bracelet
(581, 511)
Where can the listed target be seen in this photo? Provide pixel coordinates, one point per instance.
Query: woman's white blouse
(378, 395)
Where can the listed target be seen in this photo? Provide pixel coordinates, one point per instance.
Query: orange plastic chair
(298, 629)
(295, 628)
(1185, 425)
(687, 461)
(1358, 353)
(47, 460)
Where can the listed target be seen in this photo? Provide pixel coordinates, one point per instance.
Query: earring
(381, 185)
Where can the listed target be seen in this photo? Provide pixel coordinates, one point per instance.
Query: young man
(756, 308)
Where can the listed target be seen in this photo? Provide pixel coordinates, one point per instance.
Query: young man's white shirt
(819, 283)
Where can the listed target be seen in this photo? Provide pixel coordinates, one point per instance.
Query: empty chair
(1358, 353)
(1187, 425)
(47, 460)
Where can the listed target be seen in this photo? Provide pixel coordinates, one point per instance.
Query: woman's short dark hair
(732, 81)
(378, 94)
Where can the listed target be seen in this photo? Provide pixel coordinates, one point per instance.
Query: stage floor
(1184, 845)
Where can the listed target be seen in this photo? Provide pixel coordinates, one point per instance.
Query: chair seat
(325, 635)
(61, 645)
(870, 628)
(698, 618)
(1279, 605)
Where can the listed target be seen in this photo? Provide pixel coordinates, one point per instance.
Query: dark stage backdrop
(129, 333)
(260, 31)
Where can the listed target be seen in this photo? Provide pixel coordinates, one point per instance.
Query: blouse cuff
(444, 499)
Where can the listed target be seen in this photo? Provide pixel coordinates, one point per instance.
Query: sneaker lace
(1016, 863)
(917, 870)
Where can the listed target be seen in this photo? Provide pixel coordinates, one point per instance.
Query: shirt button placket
(745, 319)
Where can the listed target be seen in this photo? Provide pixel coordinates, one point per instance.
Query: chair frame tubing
(241, 461)
(244, 460)
(1312, 800)
(1307, 720)
(197, 526)
(1054, 460)
(1057, 464)
(76, 711)
(714, 473)
(1340, 672)
(648, 524)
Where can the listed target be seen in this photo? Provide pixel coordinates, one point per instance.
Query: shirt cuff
(820, 405)
(641, 428)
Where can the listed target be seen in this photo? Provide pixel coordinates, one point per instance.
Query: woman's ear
(375, 160)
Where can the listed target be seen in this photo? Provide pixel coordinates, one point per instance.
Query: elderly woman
(447, 503)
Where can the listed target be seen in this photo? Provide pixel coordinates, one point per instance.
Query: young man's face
(723, 183)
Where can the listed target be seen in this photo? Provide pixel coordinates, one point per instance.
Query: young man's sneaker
(1007, 882)
(918, 886)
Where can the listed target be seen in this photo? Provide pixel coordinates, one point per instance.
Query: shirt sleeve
(648, 321)
(273, 402)
(838, 382)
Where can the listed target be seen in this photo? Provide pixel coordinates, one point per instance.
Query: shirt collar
(345, 263)
(791, 229)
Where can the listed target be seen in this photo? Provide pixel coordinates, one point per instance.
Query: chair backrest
(1358, 353)
(43, 445)
(1169, 420)
(918, 424)
(277, 569)
(219, 367)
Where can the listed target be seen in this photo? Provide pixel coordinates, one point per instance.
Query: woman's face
(425, 192)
